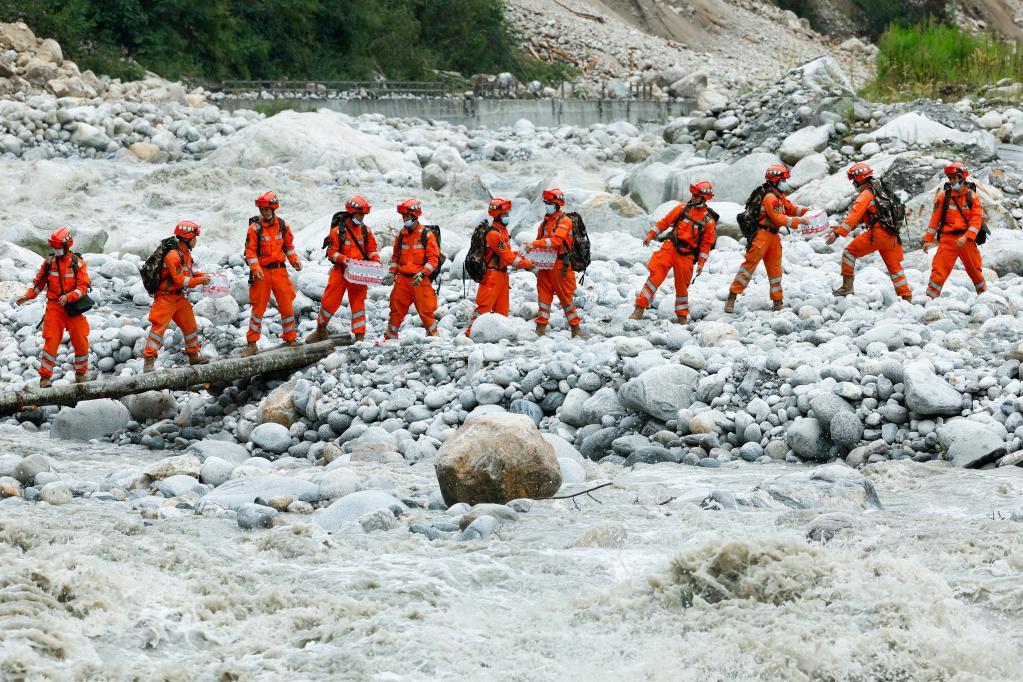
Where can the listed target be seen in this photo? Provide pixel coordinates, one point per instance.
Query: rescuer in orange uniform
(498, 255)
(268, 244)
(169, 302)
(415, 257)
(349, 238)
(956, 231)
(693, 228)
(65, 278)
(776, 212)
(874, 238)
(555, 233)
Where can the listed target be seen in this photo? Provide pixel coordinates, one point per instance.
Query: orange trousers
(55, 321)
(337, 285)
(560, 282)
(277, 282)
(888, 246)
(945, 259)
(167, 307)
(403, 296)
(766, 247)
(492, 296)
(664, 259)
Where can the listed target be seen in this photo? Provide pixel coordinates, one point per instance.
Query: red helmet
(410, 206)
(186, 229)
(268, 200)
(702, 189)
(956, 168)
(61, 238)
(357, 205)
(776, 172)
(554, 196)
(499, 206)
(859, 172)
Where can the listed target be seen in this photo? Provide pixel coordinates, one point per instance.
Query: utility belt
(171, 292)
(772, 229)
(275, 266)
(955, 233)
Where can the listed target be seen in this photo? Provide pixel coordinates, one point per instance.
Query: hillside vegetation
(302, 39)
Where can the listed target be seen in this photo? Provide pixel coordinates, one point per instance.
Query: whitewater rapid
(926, 588)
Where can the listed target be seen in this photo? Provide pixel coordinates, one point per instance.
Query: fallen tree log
(176, 379)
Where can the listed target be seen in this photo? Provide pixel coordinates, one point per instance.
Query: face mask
(956, 185)
(501, 219)
(784, 187)
(356, 221)
(409, 223)
(59, 252)
(550, 208)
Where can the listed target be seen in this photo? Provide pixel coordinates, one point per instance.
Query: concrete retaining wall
(491, 113)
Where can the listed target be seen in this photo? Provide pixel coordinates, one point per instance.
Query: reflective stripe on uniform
(743, 276)
(980, 287)
(432, 329)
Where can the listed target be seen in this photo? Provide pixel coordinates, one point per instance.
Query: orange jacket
(863, 212)
(687, 232)
(778, 212)
(499, 254)
(269, 242)
(555, 233)
(415, 250)
(59, 276)
(179, 271)
(346, 240)
(967, 222)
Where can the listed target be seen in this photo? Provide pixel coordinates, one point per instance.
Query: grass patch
(936, 60)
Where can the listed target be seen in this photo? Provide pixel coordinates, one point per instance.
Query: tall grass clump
(936, 60)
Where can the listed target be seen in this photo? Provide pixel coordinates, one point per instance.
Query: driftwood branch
(584, 15)
(581, 492)
(177, 379)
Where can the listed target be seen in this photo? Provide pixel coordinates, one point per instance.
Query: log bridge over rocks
(185, 378)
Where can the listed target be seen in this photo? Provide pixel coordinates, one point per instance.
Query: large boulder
(491, 328)
(350, 508)
(152, 405)
(808, 440)
(915, 128)
(239, 491)
(90, 419)
(804, 142)
(927, 394)
(271, 437)
(969, 444)
(225, 450)
(497, 458)
(279, 406)
(660, 391)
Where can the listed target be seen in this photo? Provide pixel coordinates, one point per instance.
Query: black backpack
(701, 228)
(749, 219)
(338, 221)
(891, 212)
(255, 220)
(475, 265)
(151, 269)
(441, 259)
(972, 187)
(579, 255)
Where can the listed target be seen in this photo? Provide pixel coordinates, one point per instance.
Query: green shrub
(936, 60)
(283, 39)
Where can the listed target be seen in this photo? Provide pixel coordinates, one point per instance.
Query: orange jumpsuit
(347, 241)
(59, 277)
(776, 212)
(960, 220)
(555, 233)
(169, 302)
(696, 249)
(494, 291)
(415, 251)
(267, 245)
(874, 238)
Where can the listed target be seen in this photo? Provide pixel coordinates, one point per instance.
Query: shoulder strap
(944, 209)
(365, 237)
(960, 209)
